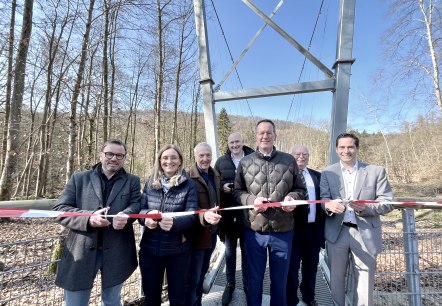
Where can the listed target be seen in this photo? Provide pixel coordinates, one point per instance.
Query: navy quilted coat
(179, 198)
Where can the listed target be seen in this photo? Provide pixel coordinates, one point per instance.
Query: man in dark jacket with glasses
(96, 242)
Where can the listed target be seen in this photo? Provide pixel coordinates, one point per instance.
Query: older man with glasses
(96, 242)
(308, 237)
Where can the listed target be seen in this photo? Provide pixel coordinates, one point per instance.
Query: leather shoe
(227, 294)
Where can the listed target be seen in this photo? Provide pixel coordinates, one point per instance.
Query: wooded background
(76, 73)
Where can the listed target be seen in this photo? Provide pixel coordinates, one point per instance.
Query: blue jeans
(278, 246)
(109, 296)
(200, 261)
(231, 243)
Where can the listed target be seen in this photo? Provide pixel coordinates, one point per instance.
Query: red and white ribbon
(35, 213)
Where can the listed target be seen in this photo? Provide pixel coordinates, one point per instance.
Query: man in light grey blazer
(352, 229)
(96, 242)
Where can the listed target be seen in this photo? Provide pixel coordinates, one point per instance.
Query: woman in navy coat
(165, 245)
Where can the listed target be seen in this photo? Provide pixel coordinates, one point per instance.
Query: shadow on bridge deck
(214, 296)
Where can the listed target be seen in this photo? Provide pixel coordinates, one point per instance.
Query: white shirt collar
(269, 154)
(355, 167)
(233, 157)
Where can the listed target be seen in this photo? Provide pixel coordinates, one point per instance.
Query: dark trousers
(278, 246)
(305, 248)
(200, 261)
(231, 243)
(152, 273)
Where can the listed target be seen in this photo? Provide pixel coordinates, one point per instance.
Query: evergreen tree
(224, 130)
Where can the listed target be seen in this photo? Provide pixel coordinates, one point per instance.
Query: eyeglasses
(110, 155)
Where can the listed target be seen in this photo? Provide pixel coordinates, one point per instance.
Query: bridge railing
(28, 266)
(409, 268)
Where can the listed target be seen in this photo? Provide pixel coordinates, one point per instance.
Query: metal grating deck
(322, 290)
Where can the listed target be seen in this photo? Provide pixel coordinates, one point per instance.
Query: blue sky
(273, 61)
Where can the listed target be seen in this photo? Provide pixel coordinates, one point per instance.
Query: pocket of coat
(70, 241)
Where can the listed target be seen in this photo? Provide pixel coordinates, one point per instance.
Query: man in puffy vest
(268, 175)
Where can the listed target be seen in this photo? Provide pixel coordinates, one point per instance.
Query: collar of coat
(272, 153)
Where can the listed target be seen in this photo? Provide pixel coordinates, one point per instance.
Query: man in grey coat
(353, 230)
(96, 242)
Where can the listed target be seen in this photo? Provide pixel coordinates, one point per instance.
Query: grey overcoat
(76, 269)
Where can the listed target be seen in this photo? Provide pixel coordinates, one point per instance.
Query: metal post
(411, 252)
(206, 78)
(342, 68)
(140, 282)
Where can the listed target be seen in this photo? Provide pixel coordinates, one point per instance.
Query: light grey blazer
(371, 184)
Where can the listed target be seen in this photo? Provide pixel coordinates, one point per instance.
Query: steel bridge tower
(336, 81)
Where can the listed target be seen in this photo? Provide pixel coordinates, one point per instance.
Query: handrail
(45, 204)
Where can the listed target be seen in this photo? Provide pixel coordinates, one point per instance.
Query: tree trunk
(114, 32)
(105, 73)
(184, 19)
(131, 122)
(53, 46)
(53, 117)
(427, 13)
(76, 93)
(9, 172)
(32, 144)
(159, 79)
(86, 131)
(9, 80)
(194, 123)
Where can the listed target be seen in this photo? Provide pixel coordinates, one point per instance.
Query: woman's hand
(166, 223)
(149, 222)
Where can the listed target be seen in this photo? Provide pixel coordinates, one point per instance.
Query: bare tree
(194, 118)
(87, 124)
(413, 47)
(12, 149)
(112, 48)
(32, 143)
(9, 77)
(56, 23)
(159, 75)
(131, 127)
(184, 35)
(105, 65)
(65, 62)
(431, 15)
(76, 93)
(373, 114)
